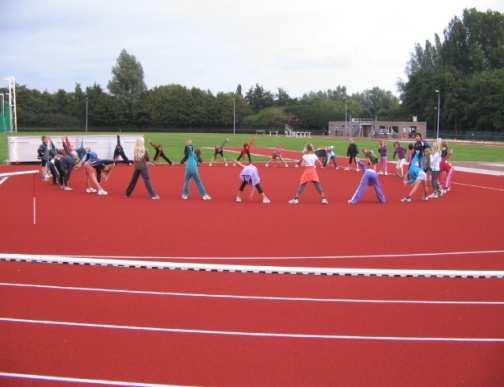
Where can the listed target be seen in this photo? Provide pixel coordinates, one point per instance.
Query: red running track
(115, 353)
(468, 219)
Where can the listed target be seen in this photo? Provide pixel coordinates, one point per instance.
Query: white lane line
(65, 379)
(306, 257)
(252, 334)
(9, 174)
(258, 269)
(3, 180)
(479, 171)
(249, 297)
(481, 187)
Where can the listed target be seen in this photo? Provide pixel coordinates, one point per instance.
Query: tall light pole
(86, 113)
(3, 107)
(346, 115)
(234, 115)
(438, 111)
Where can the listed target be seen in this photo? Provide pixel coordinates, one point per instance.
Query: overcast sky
(299, 45)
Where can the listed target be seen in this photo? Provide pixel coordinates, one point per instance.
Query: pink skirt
(309, 174)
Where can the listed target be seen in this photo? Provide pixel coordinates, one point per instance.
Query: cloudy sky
(299, 45)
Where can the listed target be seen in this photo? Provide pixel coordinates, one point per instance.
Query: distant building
(361, 127)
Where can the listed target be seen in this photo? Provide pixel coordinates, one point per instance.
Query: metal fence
(468, 135)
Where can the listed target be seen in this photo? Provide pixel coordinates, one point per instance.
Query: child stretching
(435, 161)
(96, 171)
(43, 156)
(192, 158)
(309, 161)
(352, 152)
(159, 153)
(370, 177)
(119, 152)
(400, 152)
(331, 157)
(446, 167)
(382, 151)
(246, 150)
(373, 160)
(417, 177)
(219, 151)
(249, 175)
(276, 156)
(141, 159)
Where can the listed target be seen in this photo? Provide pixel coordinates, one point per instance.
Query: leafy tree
(258, 98)
(127, 78)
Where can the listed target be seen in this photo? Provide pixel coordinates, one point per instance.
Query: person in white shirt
(435, 161)
(309, 161)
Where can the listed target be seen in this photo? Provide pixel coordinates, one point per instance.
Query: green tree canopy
(127, 78)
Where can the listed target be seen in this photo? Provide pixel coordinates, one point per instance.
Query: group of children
(425, 163)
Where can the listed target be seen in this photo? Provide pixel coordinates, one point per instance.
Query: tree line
(466, 67)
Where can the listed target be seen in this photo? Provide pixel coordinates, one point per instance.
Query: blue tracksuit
(191, 161)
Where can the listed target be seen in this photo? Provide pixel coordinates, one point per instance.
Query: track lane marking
(209, 332)
(257, 269)
(285, 258)
(249, 297)
(66, 379)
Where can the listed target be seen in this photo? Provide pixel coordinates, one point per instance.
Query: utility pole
(86, 113)
(234, 115)
(438, 111)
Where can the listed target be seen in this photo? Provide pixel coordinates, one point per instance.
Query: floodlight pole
(3, 102)
(12, 103)
(438, 111)
(86, 113)
(234, 115)
(346, 117)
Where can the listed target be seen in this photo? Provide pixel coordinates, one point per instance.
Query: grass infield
(173, 144)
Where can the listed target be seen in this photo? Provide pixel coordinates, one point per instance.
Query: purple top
(400, 152)
(250, 175)
(382, 150)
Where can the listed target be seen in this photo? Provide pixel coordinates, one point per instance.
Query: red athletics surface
(468, 219)
(193, 359)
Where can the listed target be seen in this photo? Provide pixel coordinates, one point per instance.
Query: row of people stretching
(424, 162)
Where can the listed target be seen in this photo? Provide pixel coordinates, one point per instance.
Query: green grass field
(173, 144)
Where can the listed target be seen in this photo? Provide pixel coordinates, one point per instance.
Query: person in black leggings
(119, 152)
(159, 153)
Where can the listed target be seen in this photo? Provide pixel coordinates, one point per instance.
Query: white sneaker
(185, 197)
(294, 201)
(238, 199)
(350, 202)
(157, 197)
(386, 173)
(324, 201)
(358, 170)
(102, 192)
(266, 165)
(406, 200)
(90, 190)
(286, 165)
(266, 200)
(209, 164)
(225, 164)
(206, 197)
(66, 188)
